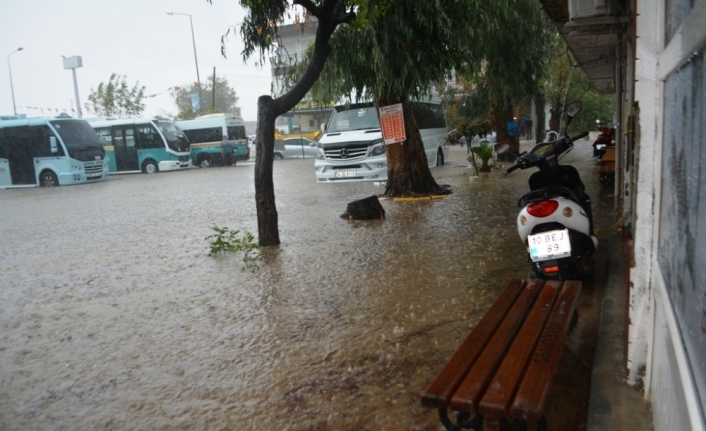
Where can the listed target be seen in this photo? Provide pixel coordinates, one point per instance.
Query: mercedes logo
(344, 153)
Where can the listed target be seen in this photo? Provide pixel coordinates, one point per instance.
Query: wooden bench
(504, 368)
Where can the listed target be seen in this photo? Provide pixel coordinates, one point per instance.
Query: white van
(352, 149)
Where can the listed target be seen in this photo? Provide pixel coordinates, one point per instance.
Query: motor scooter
(604, 139)
(555, 220)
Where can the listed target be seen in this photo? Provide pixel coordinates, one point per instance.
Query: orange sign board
(392, 123)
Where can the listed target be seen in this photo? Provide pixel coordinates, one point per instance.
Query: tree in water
(259, 33)
(393, 56)
(116, 99)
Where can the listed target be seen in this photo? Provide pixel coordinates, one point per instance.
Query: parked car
(491, 138)
(293, 148)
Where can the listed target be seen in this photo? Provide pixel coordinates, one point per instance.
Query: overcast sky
(134, 38)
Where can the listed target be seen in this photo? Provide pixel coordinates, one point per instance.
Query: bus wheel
(204, 162)
(149, 166)
(48, 179)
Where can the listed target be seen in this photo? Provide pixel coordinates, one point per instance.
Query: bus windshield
(356, 117)
(81, 141)
(174, 135)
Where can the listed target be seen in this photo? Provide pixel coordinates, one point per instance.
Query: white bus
(49, 152)
(352, 148)
(205, 134)
(144, 144)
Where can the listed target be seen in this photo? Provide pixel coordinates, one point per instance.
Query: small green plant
(485, 152)
(225, 239)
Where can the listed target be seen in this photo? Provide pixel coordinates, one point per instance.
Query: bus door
(125, 151)
(17, 148)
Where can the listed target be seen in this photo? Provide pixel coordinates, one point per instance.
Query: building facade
(650, 54)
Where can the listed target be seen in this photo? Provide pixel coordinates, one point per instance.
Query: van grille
(346, 152)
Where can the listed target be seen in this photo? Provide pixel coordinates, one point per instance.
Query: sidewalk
(613, 404)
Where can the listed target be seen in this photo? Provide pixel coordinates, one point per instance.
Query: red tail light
(551, 270)
(543, 208)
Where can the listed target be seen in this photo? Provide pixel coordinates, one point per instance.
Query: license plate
(345, 174)
(94, 174)
(554, 244)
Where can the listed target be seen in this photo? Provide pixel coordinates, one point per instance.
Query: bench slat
(439, 392)
(476, 381)
(532, 393)
(502, 388)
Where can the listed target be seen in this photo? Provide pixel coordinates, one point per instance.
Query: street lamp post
(74, 63)
(12, 88)
(193, 41)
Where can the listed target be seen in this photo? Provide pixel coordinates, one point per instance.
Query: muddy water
(113, 316)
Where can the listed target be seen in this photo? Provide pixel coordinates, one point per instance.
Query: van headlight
(377, 148)
(320, 155)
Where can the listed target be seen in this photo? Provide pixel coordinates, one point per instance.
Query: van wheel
(149, 166)
(440, 158)
(204, 162)
(278, 156)
(48, 179)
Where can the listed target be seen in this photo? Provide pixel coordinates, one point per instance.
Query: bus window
(236, 133)
(148, 137)
(41, 142)
(106, 136)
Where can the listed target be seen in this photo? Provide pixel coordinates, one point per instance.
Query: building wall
(668, 279)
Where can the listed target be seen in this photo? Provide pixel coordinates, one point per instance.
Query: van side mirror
(52, 144)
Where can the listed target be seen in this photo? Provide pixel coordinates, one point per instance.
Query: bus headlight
(377, 149)
(320, 155)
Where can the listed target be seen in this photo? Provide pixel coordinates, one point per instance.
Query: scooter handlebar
(513, 168)
(579, 136)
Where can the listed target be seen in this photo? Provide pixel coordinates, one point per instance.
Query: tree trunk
(407, 166)
(541, 118)
(267, 218)
(330, 14)
(502, 114)
(554, 118)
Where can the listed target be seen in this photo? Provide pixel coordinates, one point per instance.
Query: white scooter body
(577, 222)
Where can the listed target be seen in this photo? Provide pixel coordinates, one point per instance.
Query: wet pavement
(113, 316)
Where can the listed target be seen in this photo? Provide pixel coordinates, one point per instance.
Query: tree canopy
(514, 53)
(116, 98)
(219, 98)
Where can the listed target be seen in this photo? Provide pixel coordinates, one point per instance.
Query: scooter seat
(546, 193)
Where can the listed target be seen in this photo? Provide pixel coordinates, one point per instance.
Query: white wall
(655, 340)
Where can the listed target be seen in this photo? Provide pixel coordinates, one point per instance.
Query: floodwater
(114, 317)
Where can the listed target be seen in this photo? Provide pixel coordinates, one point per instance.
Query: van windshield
(356, 117)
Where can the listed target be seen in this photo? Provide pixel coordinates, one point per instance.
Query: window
(106, 136)
(210, 134)
(429, 115)
(236, 132)
(41, 146)
(148, 137)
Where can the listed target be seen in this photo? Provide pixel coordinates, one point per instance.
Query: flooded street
(114, 317)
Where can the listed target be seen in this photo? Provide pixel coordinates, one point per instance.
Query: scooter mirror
(574, 108)
(501, 148)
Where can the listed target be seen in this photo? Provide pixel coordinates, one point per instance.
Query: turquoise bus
(50, 152)
(146, 145)
(205, 134)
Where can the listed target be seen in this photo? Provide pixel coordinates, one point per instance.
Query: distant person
(528, 128)
(227, 151)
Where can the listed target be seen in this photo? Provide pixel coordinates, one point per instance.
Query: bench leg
(512, 425)
(463, 420)
(519, 425)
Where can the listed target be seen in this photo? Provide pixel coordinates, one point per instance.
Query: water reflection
(113, 316)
